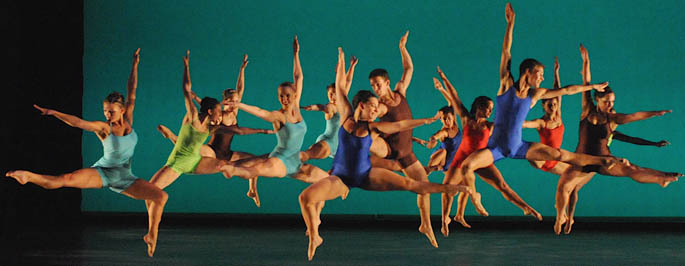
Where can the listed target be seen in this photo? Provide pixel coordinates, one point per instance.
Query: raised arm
(570, 90)
(196, 98)
(297, 72)
(350, 74)
(131, 87)
(454, 99)
(234, 129)
(268, 116)
(394, 127)
(341, 101)
(557, 80)
(505, 78)
(407, 66)
(191, 109)
(240, 84)
(638, 141)
(637, 116)
(587, 105)
(93, 126)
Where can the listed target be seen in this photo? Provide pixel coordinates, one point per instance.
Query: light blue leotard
(290, 137)
(330, 135)
(506, 139)
(115, 165)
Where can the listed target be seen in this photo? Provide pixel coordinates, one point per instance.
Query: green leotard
(186, 154)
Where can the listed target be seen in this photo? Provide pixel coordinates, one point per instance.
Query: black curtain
(43, 62)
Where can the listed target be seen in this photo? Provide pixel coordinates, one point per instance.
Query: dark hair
(479, 102)
(115, 97)
(607, 90)
(379, 72)
(228, 93)
(528, 64)
(207, 104)
(330, 86)
(287, 84)
(447, 110)
(362, 96)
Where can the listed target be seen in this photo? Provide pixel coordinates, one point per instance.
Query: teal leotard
(330, 135)
(290, 137)
(115, 165)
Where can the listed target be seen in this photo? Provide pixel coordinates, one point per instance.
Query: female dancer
(113, 170)
(596, 127)
(284, 160)
(219, 145)
(327, 143)
(351, 165)
(475, 136)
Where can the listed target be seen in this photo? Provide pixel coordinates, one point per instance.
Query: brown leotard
(221, 144)
(593, 140)
(400, 143)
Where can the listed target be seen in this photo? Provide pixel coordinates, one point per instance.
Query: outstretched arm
(191, 109)
(240, 84)
(131, 87)
(315, 107)
(638, 141)
(407, 65)
(505, 78)
(258, 112)
(394, 127)
(297, 72)
(421, 142)
(454, 99)
(350, 74)
(242, 130)
(637, 116)
(341, 101)
(570, 90)
(586, 103)
(93, 126)
(433, 141)
(537, 123)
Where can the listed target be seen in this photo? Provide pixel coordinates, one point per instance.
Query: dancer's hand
(663, 112)
(269, 131)
(509, 13)
(44, 111)
(434, 118)
(296, 45)
(403, 40)
(662, 143)
(353, 61)
(437, 84)
(308, 108)
(600, 87)
(244, 61)
(556, 65)
(186, 58)
(136, 56)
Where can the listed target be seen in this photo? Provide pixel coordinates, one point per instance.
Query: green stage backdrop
(636, 46)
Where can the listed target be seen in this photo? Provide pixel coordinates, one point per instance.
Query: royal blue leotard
(450, 145)
(115, 165)
(330, 135)
(290, 137)
(506, 139)
(352, 163)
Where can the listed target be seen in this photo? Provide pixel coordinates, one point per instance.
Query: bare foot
(567, 228)
(561, 220)
(255, 198)
(445, 226)
(532, 212)
(475, 199)
(151, 244)
(428, 232)
(314, 242)
(21, 176)
(462, 221)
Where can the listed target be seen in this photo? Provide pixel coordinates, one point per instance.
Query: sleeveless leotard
(221, 144)
(330, 135)
(352, 163)
(506, 139)
(400, 143)
(450, 145)
(593, 140)
(115, 165)
(186, 153)
(553, 138)
(472, 140)
(290, 137)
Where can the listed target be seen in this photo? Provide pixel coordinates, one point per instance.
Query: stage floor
(273, 240)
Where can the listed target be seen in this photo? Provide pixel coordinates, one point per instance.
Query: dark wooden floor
(280, 240)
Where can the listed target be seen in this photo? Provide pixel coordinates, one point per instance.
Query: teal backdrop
(636, 46)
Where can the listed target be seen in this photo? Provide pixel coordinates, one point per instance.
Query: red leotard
(553, 138)
(471, 141)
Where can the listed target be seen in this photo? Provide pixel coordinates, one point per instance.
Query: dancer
(598, 121)
(514, 100)
(394, 107)
(219, 145)
(113, 170)
(476, 133)
(327, 143)
(290, 128)
(351, 165)
(450, 138)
